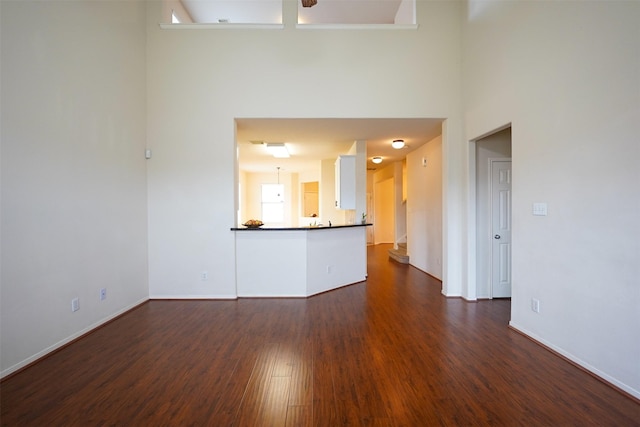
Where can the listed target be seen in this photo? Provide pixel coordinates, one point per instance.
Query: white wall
(566, 75)
(424, 208)
(328, 210)
(199, 81)
(73, 170)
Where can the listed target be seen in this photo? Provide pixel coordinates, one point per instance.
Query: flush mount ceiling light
(397, 143)
(277, 149)
(376, 159)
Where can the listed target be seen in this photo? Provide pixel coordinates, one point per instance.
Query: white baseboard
(67, 340)
(212, 296)
(613, 381)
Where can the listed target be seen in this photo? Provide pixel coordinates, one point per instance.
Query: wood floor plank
(324, 398)
(391, 351)
(301, 392)
(299, 416)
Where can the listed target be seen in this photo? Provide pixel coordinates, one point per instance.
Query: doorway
(493, 214)
(384, 211)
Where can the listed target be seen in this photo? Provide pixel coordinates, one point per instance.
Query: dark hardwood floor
(391, 351)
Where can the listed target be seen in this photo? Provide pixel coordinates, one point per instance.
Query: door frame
(470, 293)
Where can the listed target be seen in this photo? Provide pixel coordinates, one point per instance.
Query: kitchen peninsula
(299, 262)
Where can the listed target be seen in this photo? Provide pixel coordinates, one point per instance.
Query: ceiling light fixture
(277, 149)
(376, 160)
(397, 143)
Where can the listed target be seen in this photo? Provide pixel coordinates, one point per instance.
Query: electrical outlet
(75, 304)
(103, 294)
(204, 275)
(535, 305)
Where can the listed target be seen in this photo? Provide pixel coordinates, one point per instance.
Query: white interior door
(501, 228)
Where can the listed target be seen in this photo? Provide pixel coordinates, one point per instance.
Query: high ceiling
(270, 11)
(312, 140)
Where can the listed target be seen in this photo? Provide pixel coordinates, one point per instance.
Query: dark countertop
(324, 227)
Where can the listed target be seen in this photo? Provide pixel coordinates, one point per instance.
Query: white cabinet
(346, 182)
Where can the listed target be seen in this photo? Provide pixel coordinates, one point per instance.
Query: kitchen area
(316, 219)
(298, 234)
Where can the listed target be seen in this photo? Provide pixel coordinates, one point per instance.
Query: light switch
(540, 209)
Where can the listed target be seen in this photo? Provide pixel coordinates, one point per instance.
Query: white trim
(357, 26)
(472, 211)
(494, 131)
(225, 26)
(69, 339)
(472, 280)
(232, 26)
(192, 297)
(578, 361)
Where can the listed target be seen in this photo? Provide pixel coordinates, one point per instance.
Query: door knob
(497, 236)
